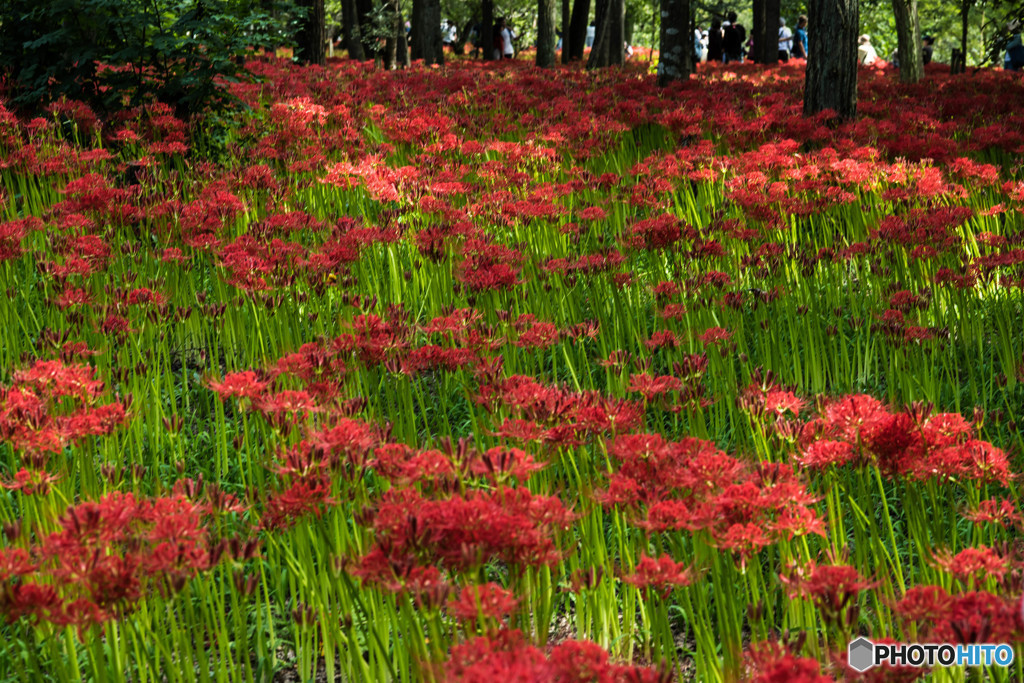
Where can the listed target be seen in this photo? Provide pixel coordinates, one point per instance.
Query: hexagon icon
(861, 655)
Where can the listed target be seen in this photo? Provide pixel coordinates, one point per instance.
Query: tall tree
(566, 18)
(831, 79)
(607, 50)
(616, 32)
(675, 42)
(546, 33)
(965, 11)
(366, 14)
(312, 37)
(487, 28)
(426, 31)
(578, 29)
(767, 43)
(401, 39)
(350, 29)
(599, 56)
(908, 39)
(757, 30)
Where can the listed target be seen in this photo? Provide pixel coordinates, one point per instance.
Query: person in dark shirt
(715, 41)
(800, 38)
(732, 40)
(927, 50)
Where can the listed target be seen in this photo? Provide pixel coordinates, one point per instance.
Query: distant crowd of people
(727, 41)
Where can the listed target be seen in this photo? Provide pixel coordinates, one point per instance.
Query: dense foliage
(117, 54)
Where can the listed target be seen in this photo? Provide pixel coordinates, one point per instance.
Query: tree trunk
(426, 32)
(674, 42)
(350, 33)
(965, 9)
(616, 33)
(831, 80)
(757, 31)
(312, 37)
(908, 40)
(416, 20)
(578, 29)
(692, 36)
(769, 38)
(602, 35)
(566, 18)
(546, 33)
(365, 8)
(487, 28)
(401, 41)
(391, 42)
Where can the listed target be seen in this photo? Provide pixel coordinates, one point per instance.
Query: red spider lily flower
(246, 384)
(832, 588)
(974, 617)
(826, 453)
(540, 335)
(663, 574)
(768, 398)
(12, 233)
(519, 430)
(651, 387)
(31, 482)
(924, 603)
(973, 562)
(772, 662)
(54, 379)
(715, 336)
(489, 601)
(847, 416)
(15, 562)
(32, 601)
(973, 460)
(464, 532)
(500, 464)
(507, 656)
(104, 557)
(348, 440)
(427, 466)
(995, 511)
(306, 496)
(434, 357)
(662, 339)
(657, 233)
(427, 588)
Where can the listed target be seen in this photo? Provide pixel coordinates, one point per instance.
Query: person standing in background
(733, 38)
(715, 52)
(507, 36)
(927, 49)
(866, 54)
(785, 41)
(800, 38)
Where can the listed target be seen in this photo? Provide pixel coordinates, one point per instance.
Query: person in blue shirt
(1014, 59)
(800, 42)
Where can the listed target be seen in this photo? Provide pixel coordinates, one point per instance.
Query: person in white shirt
(866, 54)
(507, 35)
(785, 41)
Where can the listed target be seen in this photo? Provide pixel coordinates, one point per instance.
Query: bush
(118, 53)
